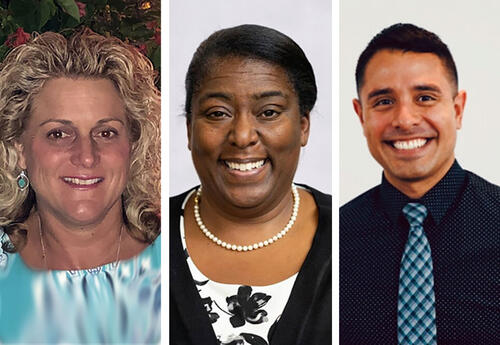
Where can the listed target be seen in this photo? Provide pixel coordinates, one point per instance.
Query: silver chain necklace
(44, 252)
(239, 248)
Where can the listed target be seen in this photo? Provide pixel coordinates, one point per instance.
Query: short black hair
(407, 38)
(254, 42)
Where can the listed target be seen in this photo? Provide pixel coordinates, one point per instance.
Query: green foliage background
(133, 21)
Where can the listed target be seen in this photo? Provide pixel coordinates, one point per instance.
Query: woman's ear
(305, 125)
(21, 158)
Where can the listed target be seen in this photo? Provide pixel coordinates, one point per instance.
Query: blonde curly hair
(84, 55)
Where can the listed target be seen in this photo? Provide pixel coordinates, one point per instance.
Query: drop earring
(22, 180)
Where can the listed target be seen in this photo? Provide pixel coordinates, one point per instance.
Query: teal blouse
(114, 303)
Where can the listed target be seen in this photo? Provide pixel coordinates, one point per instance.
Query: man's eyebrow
(220, 95)
(269, 94)
(427, 87)
(379, 92)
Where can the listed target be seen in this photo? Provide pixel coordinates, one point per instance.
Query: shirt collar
(437, 200)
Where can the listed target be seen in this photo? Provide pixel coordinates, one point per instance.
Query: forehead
(399, 70)
(80, 98)
(244, 75)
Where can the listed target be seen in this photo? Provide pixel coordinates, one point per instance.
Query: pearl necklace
(44, 252)
(239, 248)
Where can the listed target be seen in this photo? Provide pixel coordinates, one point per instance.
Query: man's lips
(82, 181)
(408, 144)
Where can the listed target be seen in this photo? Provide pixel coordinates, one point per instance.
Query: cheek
(45, 156)
(206, 140)
(116, 156)
(282, 138)
(373, 129)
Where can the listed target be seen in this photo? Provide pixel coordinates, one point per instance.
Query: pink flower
(81, 8)
(142, 48)
(17, 38)
(151, 25)
(157, 37)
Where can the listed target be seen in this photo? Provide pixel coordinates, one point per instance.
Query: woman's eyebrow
(109, 119)
(269, 94)
(67, 122)
(64, 122)
(220, 95)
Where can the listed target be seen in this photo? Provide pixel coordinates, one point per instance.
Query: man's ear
(305, 125)
(358, 109)
(459, 106)
(21, 160)
(188, 127)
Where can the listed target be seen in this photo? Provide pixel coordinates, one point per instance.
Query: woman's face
(76, 149)
(246, 132)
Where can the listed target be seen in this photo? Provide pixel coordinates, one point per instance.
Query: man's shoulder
(359, 207)
(483, 186)
(482, 194)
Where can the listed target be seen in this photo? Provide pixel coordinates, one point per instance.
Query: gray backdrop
(307, 22)
(472, 32)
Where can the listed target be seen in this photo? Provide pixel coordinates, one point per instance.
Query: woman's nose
(243, 130)
(85, 153)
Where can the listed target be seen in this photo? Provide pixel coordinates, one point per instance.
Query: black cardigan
(307, 317)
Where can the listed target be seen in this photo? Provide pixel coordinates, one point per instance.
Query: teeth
(81, 182)
(410, 144)
(245, 166)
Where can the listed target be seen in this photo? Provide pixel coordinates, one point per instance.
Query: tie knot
(415, 213)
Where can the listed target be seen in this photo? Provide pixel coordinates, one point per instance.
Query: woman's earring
(22, 180)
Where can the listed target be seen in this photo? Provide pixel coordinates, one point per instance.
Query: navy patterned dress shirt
(463, 229)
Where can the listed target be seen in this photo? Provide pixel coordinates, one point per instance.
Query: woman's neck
(245, 225)
(64, 246)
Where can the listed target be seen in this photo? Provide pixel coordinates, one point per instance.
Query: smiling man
(419, 252)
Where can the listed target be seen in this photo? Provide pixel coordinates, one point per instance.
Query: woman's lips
(82, 182)
(244, 166)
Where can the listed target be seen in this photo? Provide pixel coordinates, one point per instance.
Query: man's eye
(57, 134)
(425, 98)
(384, 101)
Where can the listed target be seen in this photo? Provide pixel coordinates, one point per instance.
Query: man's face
(410, 112)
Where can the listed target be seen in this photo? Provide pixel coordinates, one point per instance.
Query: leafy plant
(134, 21)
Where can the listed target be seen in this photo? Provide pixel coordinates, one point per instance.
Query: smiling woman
(250, 252)
(79, 192)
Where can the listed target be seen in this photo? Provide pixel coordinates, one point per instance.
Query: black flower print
(207, 302)
(246, 307)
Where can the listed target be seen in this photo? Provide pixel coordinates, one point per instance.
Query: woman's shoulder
(322, 200)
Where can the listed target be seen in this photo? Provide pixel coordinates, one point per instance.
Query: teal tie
(416, 301)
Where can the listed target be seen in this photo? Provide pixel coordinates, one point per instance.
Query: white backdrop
(471, 30)
(307, 22)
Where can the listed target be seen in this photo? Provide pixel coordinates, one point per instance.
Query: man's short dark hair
(406, 38)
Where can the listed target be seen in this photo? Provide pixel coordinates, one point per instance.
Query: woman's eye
(107, 133)
(216, 115)
(57, 134)
(269, 113)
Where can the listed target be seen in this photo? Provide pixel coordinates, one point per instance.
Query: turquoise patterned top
(114, 303)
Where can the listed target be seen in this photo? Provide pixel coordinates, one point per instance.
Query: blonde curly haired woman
(79, 192)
